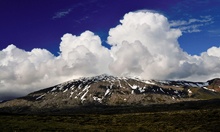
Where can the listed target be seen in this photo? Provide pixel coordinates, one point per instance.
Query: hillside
(105, 90)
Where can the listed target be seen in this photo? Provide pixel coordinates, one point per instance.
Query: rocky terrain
(114, 91)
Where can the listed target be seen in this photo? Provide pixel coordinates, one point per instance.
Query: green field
(176, 117)
(188, 120)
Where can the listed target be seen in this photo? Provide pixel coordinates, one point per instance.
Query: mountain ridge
(115, 91)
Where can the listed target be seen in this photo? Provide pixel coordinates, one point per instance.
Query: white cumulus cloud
(159, 54)
(144, 44)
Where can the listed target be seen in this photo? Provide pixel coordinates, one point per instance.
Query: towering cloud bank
(151, 44)
(143, 45)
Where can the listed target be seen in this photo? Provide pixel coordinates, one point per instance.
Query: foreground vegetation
(193, 116)
(188, 120)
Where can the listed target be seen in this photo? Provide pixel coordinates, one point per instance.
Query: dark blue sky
(32, 24)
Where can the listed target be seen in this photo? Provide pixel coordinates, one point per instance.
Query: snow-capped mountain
(114, 91)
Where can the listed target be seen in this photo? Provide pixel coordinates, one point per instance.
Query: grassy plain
(199, 118)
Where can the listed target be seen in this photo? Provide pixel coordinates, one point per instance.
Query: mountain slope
(116, 91)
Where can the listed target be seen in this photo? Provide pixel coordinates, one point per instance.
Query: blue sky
(40, 24)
